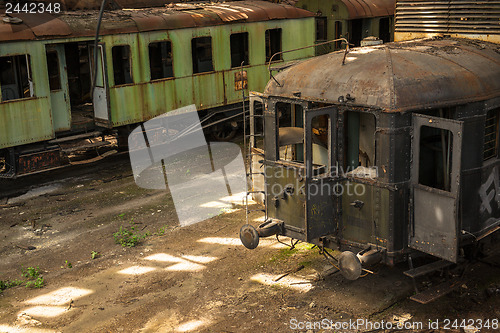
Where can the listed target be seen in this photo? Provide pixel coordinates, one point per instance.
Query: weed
(161, 231)
(68, 264)
(9, 284)
(95, 254)
(34, 279)
(37, 283)
(128, 237)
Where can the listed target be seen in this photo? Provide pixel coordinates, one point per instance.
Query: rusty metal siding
(27, 120)
(83, 23)
(463, 17)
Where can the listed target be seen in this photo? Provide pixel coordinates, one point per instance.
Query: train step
(76, 137)
(436, 292)
(426, 269)
(86, 147)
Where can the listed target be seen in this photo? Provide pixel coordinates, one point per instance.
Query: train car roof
(83, 23)
(397, 77)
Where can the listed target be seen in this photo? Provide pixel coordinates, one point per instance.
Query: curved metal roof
(369, 8)
(84, 22)
(398, 76)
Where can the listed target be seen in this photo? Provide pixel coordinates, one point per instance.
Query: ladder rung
(254, 135)
(250, 192)
(256, 173)
(256, 210)
(255, 154)
(255, 116)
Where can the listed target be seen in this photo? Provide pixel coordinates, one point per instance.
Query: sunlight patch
(200, 259)
(237, 241)
(45, 311)
(60, 296)
(186, 266)
(191, 325)
(287, 282)
(137, 270)
(163, 257)
(11, 329)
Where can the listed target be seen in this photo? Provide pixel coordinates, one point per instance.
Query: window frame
(27, 58)
(193, 56)
(246, 53)
(268, 46)
(130, 64)
(172, 60)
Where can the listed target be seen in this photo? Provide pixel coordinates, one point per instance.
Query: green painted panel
(25, 121)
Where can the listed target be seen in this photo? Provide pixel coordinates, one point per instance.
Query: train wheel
(224, 131)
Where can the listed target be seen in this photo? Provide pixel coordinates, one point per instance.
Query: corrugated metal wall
(450, 17)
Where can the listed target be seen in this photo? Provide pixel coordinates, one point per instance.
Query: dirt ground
(188, 279)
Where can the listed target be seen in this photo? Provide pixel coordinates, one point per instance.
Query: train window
(436, 147)
(321, 29)
(273, 44)
(491, 135)
(239, 49)
(338, 33)
(320, 141)
(15, 77)
(291, 131)
(201, 49)
(160, 60)
(122, 64)
(384, 29)
(53, 69)
(359, 143)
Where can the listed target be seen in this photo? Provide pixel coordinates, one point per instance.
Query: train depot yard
(185, 279)
(250, 166)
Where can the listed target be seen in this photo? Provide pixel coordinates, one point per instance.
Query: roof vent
(371, 41)
(12, 20)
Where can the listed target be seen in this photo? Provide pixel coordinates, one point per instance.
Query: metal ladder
(250, 152)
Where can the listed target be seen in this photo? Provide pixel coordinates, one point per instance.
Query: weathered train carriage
(385, 151)
(150, 61)
(352, 19)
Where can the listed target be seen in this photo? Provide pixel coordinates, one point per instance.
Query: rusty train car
(149, 61)
(387, 152)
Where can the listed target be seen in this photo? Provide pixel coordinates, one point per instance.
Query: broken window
(273, 44)
(356, 34)
(122, 64)
(160, 60)
(338, 34)
(321, 29)
(53, 69)
(321, 142)
(436, 147)
(359, 144)
(239, 49)
(384, 29)
(201, 48)
(491, 135)
(291, 131)
(15, 80)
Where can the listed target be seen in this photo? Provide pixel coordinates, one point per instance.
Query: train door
(58, 84)
(435, 179)
(321, 183)
(100, 96)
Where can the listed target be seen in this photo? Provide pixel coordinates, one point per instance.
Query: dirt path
(191, 279)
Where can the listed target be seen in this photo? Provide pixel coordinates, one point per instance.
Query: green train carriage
(150, 61)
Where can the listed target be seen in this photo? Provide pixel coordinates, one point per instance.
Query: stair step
(436, 292)
(76, 137)
(85, 147)
(426, 269)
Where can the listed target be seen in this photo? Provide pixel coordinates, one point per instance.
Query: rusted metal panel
(398, 76)
(10, 32)
(83, 23)
(44, 24)
(369, 8)
(32, 162)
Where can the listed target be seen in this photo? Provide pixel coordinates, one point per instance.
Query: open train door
(435, 179)
(100, 98)
(321, 185)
